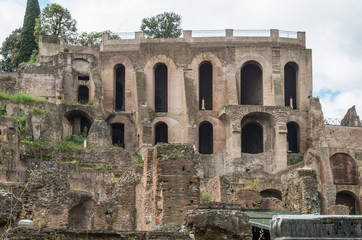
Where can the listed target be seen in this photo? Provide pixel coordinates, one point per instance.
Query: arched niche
(344, 169)
(290, 84)
(271, 193)
(161, 90)
(80, 122)
(251, 84)
(119, 87)
(348, 199)
(293, 137)
(205, 86)
(161, 133)
(252, 138)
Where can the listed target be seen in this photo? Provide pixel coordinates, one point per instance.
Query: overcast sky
(333, 31)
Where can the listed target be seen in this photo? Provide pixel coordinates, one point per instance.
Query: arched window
(83, 94)
(290, 84)
(252, 138)
(205, 86)
(119, 99)
(251, 84)
(206, 143)
(293, 137)
(118, 134)
(161, 133)
(347, 199)
(344, 169)
(161, 88)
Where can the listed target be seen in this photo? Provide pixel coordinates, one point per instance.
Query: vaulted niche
(80, 122)
(252, 138)
(271, 193)
(118, 134)
(290, 84)
(80, 215)
(293, 137)
(251, 84)
(206, 143)
(83, 94)
(161, 88)
(120, 76)
(344, 169)
(348, 199)
(161, 133)
(205, 86)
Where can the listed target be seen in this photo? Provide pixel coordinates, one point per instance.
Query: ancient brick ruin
(170, 124)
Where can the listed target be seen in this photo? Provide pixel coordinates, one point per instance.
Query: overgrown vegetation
(207, 197)
(21, 97)
(296, 160)
(71, 143)
(139, 157)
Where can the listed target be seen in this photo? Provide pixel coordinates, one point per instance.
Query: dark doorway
(120, 87)
(205, 85)
(290, 84)
(118, 134)
(293, 137)
(83, 94)
(344, 169)
(252, 138)
(161, 88)
(251, 84)
(206, 143)
(345, 198)
(161, 133)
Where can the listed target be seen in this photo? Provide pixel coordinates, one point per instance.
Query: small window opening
(86, 78)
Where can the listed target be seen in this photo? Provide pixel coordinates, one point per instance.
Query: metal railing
(288, 34)
(334, 122)
(126, 35)
(251, 33)
(208, 33)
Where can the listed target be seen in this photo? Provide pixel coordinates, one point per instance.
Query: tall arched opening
(206, 142)
(119, 90)
(205, 86)
(161, 133)
(344, 169)
(252, 138)
(290, 84)
(251, 84)
(293, 137)
(161, 82)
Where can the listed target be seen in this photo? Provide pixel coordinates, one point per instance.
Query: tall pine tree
(27, 41)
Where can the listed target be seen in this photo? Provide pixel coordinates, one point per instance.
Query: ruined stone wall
(343, 137)
(8, 82)
(300, 192)
(169, 186)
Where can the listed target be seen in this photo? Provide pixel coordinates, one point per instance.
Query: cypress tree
(27, 41)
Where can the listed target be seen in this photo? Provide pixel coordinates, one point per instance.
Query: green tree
(56, 21)
(28, 42)
(164, 25)
(94, 37)
(10, 52)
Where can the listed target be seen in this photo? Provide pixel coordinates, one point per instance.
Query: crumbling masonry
(171, 123)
